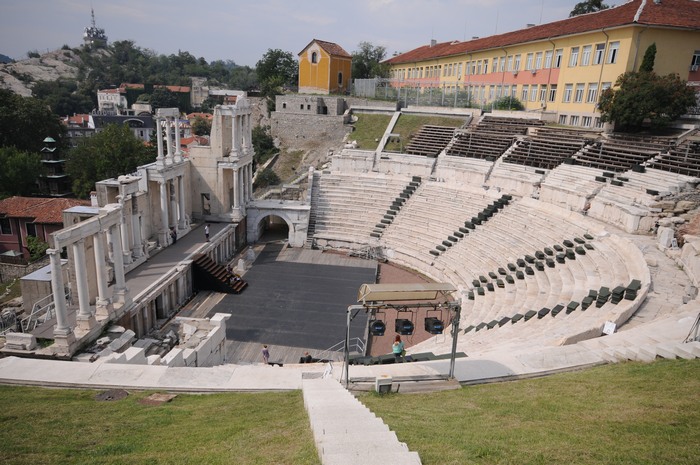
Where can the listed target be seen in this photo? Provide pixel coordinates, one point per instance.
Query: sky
(243, 31)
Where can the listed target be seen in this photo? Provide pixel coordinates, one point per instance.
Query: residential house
(324, 68)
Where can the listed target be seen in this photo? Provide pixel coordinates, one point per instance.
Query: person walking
(173, 234)
(265, 355)
(206, 231)
(398, 349)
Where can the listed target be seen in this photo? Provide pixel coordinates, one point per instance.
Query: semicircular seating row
(523, 229)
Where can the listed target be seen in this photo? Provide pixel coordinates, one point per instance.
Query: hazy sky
(243, 31)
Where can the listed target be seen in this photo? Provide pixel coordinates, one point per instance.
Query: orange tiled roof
(40, 209)
(668, 13)
(207, 116)
(330, 47)
(173, 88)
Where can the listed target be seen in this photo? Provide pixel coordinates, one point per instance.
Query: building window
(605, 86)
(525, 93)
(31, 229)
(308, 107)
(284, 105)
(5, 227)
(543, 92)
(301, 107)
(538, 60)
(459, 69)
(599, 53)
(494, 65)
(586, 55)
(578, 96)
(486, 66)
(340, 79)
(573, 59)
(695, 61)
(612, 52)
(586, 121)
(562, 119)
(548, 59)
(528, 61)
(492, 92)
(510, 62)
(598, 123)
(533, 93)
(314, 57)
(516, 66)
(502, 64)
(574, 120)
(592, 96)
(552, 92)
(558, 54)
(568, 90)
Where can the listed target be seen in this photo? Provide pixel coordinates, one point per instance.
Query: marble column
(59, 294)
(234, 136)
(169, 140)
(124, 231)
(121, 293)
(236, 199)
(178, 149)
(181, 201)
(164, 212)
(172, 192)
(137, 250)
(250, 178)
(104, 303)
(159, 131)
(85, 318)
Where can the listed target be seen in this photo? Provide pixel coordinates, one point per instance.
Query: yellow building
(562, 67)
(324, 68)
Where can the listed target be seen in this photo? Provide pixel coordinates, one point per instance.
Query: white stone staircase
(348, 433)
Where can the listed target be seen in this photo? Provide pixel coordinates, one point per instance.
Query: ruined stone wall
(294, 131)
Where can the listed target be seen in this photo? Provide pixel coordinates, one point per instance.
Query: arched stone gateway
(296, 215)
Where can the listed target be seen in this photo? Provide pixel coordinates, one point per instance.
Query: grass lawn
(56, 426)
(629, 413)
(408, 125)
(287, 164)
(368, 129)
(14, 290)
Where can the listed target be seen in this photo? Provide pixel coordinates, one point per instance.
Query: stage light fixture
(403, 327)
(433, 325)
(377, 328)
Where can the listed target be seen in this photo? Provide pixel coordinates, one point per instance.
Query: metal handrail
(42, 311)
(356, 343)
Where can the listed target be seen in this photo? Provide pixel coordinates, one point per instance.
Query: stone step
(406, 458)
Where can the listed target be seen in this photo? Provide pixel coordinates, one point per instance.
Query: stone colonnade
(100, 230)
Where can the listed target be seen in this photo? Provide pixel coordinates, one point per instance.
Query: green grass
(287, 164)
(628, 413)
(408, 125)
(369, 129)
(15, 290)
(57, 426)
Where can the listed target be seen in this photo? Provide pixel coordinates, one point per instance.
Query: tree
(26, 122)
(263, 144)
(161, 97)
(647, 65)
(367, 61)
(18, 172)
(112, 152)
(266, 178)
(508, 103)
(37, 248)
(277, 65)
(645, 98)
(588, 6)
(62, 96)
(201, 126)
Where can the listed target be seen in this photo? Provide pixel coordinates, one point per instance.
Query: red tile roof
(173, 88)
(330, 47)
(40, 209)
(669, 13)
(207, 116)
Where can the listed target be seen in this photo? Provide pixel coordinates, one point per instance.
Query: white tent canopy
(400, 292)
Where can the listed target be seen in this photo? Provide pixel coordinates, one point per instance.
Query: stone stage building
(142, 213)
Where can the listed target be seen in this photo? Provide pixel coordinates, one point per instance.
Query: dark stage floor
(295, 304)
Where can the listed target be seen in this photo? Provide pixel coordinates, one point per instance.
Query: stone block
(20, 341)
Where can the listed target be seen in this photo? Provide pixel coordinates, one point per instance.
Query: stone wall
(295, 131)
(10, 271)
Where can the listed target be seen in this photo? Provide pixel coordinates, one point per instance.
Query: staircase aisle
(348, 433)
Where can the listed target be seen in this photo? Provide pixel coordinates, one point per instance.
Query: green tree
(367, 61)
(647, 65)
(263, 144)
(588, 6)
(37, 248)
(266, 178)
(112, 152)
(277, 65)
(201, 126)
(18, 172)
(26, 122)
(508, 103)
(645, 98)
(62, 96)
(163, 98)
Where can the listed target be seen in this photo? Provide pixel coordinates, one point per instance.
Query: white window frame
(592, 94)
(538, 60)
(573, 57)
(586, 55)
(578, 92)
(548, 59)
(612, 52)
(568, 93)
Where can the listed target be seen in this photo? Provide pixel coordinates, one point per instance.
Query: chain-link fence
(423, 93)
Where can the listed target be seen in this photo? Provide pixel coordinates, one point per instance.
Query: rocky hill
(20, 76)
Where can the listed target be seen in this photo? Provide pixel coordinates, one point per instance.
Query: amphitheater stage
(296, 298)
